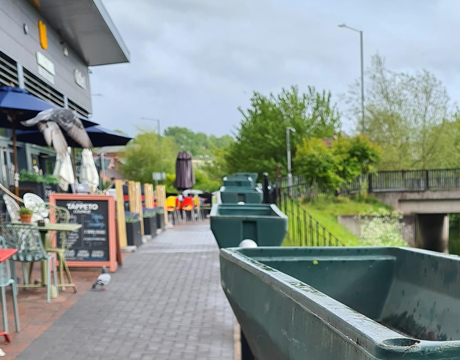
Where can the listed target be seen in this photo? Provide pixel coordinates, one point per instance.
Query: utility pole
(362, 72)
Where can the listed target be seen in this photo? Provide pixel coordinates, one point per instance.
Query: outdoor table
(6, 254)
(65, 229)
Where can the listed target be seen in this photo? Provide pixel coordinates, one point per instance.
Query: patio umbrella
(64, 171)
(185, 178)
(98, 135)
(88, 171)
(18, 105)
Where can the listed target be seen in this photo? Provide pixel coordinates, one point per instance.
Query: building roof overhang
(87, 27)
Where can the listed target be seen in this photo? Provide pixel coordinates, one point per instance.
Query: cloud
(195, 61)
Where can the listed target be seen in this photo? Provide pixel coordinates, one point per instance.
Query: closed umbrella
(88, 171)
(185, 178)
(63, 171)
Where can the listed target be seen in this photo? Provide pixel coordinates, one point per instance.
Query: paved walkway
(166, 303)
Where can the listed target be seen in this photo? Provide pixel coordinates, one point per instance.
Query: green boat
(345, 303)
(263, 223)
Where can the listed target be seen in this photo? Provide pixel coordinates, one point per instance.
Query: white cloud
(195, 61)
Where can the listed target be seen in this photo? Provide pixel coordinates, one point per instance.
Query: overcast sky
(193, 62)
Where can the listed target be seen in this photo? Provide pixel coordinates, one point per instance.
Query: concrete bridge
(424, 197)
(428, 196)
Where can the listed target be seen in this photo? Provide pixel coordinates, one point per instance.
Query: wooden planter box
(41, 189)
(133, 233)
(150, 225)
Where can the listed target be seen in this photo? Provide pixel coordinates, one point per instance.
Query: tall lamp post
(288, 147)
(362, 71)
(159, 139)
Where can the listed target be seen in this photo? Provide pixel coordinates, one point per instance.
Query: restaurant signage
(93, 245)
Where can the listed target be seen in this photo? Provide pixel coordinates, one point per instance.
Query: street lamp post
(159, 139)
(288, 147)
(362, 71)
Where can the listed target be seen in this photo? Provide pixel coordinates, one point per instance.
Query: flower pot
(133, 233)
(26, 218)
(150, 225)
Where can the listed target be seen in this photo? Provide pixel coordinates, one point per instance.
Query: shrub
(381, 228)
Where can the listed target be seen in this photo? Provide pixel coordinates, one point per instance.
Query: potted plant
(133, 229)
(26, 215)
(150, 222)
(37, 184)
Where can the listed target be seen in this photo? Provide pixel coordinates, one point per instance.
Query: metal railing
(303, 229)
(400, 180)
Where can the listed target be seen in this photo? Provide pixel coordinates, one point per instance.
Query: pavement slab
(165, 303)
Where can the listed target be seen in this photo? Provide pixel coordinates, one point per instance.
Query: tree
(199, 144)
(216, 168)
(142, 157)
(261, 137)
(405, 115)
(356, 156)
(318, 164)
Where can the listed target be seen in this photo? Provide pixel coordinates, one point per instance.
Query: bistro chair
(7, 280)
(12, 207)
(27, 240)
(187, 206)
(197, 208)
(37, 205)
(172, 207)
(45, 211)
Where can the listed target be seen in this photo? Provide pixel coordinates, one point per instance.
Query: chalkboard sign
(94, 243)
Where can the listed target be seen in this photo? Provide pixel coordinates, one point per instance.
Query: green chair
(7, 280)
(27, 240)
(44, 211)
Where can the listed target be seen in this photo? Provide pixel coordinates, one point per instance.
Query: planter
(26, 218)
(160, 218)
(49, 189)
(150, 225)
(133, 233)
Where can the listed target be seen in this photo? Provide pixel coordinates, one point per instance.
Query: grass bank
(326, 209)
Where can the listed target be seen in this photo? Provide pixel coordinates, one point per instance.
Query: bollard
(265, 189)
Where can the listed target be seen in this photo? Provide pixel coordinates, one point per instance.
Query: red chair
(188, 206)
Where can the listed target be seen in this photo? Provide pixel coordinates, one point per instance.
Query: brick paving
(166, 303)
(35, 315)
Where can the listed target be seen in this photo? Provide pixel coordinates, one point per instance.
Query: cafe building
(47, 47)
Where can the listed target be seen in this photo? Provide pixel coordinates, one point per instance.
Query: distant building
(329, 141)
(47, 47)
(108, 160)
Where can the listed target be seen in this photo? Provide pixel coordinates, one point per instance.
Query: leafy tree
(356, 156)
(318, 164)
(204, 183)
(216, 168)
(405, 114)
(199, 144)
(142, 157)
(261, 137)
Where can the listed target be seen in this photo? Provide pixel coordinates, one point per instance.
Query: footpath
(165, 303)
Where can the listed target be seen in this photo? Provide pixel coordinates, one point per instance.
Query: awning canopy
(87, 27)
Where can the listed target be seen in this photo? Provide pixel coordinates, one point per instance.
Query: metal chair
(27, 240)
(172, 208)
(7, 280)
(197, 208)
(37, 205)
(12, 207)
(47, 211)
(188, 206)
